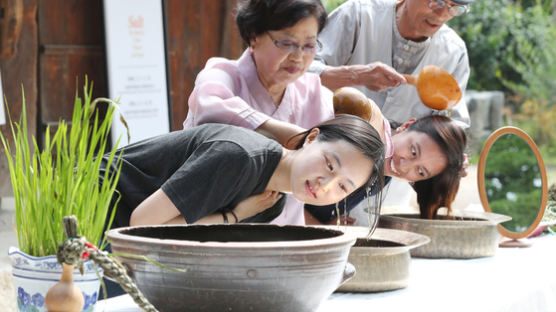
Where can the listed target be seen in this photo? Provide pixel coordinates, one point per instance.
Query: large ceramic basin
(239, 267)
(464, 235)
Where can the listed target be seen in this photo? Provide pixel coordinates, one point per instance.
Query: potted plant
(59, 179)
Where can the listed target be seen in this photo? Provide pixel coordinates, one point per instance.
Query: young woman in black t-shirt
(203, 174)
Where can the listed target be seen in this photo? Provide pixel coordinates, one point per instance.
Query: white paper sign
(2, 114)
(137, 67)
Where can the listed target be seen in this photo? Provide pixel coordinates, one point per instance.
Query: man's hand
(380, 77)
(375, 76)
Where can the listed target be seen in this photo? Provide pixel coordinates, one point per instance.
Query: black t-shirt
(203, 170)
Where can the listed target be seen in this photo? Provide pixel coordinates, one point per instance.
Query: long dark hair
(256, 17)
(440, 190)
(362, 135)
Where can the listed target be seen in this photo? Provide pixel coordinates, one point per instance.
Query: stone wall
(485, 110)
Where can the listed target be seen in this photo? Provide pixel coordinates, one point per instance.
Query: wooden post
(20, 71)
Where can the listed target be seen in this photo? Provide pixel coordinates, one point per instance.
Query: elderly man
(369, 43)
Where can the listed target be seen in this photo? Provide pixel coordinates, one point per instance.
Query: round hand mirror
(512, 181)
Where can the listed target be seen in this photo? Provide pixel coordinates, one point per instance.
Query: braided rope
(71, 252)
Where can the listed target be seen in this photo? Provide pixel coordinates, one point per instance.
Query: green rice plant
(62, 178)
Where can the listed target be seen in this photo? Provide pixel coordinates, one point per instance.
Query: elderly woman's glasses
(453, 9)
(288, 46)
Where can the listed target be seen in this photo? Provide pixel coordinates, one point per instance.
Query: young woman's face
(276, 64)
(416, 157)
(324, 173)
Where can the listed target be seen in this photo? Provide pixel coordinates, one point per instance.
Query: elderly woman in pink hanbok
(268, 88)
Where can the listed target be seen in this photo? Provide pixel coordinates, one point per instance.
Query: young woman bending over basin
(427, 152)
(202, 174)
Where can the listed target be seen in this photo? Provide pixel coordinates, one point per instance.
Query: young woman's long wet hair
(256, 17)
(440, 190)
(362, 135)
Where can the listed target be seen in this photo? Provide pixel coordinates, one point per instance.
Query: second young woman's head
(282, 36)
(429, 153)
(336, 158)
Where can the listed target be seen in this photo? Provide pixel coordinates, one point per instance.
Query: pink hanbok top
(230, 92)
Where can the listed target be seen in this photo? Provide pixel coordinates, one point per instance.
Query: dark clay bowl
(240, 267)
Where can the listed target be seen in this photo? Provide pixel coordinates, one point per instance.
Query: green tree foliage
(537, 119)
(546, 5)
(330, 5)
(511, 47)
(550, 213)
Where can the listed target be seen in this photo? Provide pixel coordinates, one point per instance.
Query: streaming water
(338, 216)
(346, 213)
(338, 221)
(372, 214)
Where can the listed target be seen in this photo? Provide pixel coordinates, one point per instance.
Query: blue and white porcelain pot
(33, 277)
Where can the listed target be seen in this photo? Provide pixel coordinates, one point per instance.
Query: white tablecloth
(515, 279)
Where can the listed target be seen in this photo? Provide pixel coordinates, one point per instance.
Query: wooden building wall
(197, 30)
(19, 70)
